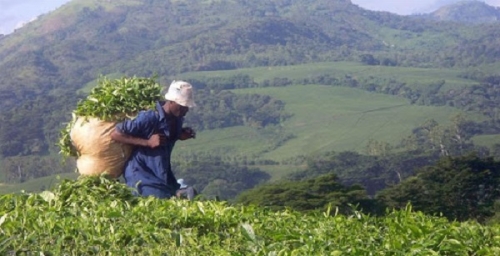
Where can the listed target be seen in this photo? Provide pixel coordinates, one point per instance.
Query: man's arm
(154, 141)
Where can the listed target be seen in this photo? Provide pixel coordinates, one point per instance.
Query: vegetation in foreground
(100, 216)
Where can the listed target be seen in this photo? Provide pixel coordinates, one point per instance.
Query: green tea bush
(112, 100)
(98, 216)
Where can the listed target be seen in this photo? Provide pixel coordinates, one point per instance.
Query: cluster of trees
(32, 127)
(453, 139)
(306, 195)
(369, 59)
(374, 173)
(222, 109)
(18, 169)
(459, 188)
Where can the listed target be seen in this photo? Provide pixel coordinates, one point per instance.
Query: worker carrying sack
(98, 153)
(88, 135)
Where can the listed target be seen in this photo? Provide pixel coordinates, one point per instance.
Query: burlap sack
(98, 152)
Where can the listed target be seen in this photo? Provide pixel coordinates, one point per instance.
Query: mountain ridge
(468, 11)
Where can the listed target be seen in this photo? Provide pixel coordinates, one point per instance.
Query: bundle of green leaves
(112, 100)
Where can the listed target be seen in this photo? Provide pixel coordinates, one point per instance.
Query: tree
(460, 188)
(450, 140)
(368, 59)
(308, 195)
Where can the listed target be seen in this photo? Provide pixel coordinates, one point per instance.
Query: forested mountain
(470, 11)
(47, 65)
(72, 45)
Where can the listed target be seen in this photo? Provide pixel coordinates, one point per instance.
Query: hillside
(471, 11)
(324, 118)
(410, 68)
(84, 38)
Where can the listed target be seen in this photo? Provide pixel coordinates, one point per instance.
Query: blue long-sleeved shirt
(150, 168)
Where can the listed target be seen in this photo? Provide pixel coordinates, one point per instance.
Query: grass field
(487, 140)
(324, 119)
(409, 75)
(331, 118)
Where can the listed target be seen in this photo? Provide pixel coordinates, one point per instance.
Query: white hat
(181, 182)
(182, 93)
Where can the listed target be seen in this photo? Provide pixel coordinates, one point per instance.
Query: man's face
(178, 110)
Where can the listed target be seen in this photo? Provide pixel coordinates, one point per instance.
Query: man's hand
(157, 140)
(187, 133)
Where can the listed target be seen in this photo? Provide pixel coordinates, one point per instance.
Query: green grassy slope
(487, 140)
(411, 76)
(330, 118)
(324, 119)
(346, 119)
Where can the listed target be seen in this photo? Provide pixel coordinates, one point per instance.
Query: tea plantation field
(96, 216)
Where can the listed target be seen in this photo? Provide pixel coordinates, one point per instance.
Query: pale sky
(15, 13)
(407, 7)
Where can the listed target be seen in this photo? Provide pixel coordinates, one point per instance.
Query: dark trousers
(154, 191)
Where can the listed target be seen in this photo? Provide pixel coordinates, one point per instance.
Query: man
(154, 133)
